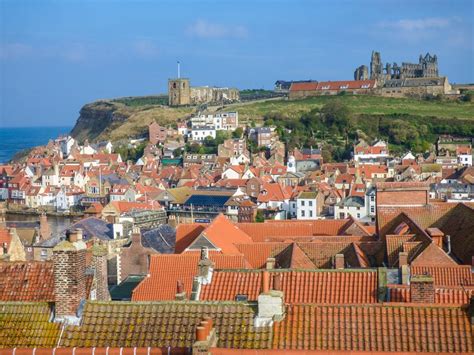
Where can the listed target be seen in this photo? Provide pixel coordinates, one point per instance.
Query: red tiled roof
(308, 86)
(351, 84)
(258, 253)
(125, 206)
(443, 295)
(26, 281)
(433, 255)
(224, 234)
(5, 237)
(298, 286)
(459, 275)
(376, 327)
(186, 234)
(289, 229)
(167, 269)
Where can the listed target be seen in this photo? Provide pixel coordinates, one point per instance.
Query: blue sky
(56, 56)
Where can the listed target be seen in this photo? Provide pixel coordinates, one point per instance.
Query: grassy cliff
(129, 117)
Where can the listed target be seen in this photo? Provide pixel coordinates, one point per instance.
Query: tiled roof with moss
(25, 324)
(163, 324)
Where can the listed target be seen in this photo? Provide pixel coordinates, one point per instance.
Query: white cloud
(206, 29)
(145, 48)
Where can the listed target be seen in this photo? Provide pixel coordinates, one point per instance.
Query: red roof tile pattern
(27, 325)
(443, 295)
(258, 253)
(433, 255)
(26, 281)
(223, 234)
(164, 324)
(381, 327)
(167, 269)
(186, 234)
(261, 232)
(447, 276)
(298, 286)
(311, 86)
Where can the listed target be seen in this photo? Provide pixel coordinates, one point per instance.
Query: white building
(370, 203)
(306, 206)
(227, 121)
(369, 153)
(464, 155)
(200, 133)
(350, 206)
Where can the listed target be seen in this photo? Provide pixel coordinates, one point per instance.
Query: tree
(238, 133)
(259, 218)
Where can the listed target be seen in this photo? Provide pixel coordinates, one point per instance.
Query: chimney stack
(99, 263)
(339, 261)
(270, 263)
(69, 265)
(270, 302)
(277, 282)
(180, 292)
(206, 337)
(136, 236)
(205, 267)
(422, 289)
(45, 230)
(436, 236)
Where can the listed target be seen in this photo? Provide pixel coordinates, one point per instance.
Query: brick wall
(135, 258)
(422, 289)
(69, 278)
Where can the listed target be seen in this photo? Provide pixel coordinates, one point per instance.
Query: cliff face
(123, 119)
(97, 119)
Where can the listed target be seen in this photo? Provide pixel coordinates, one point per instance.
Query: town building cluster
(241, 251)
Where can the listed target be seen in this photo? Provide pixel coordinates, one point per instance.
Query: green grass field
(358, 105)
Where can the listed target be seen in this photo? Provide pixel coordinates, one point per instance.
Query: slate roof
(298, 286)
(93, 227)
(162, 238)
(375, 327)
(123, 291)
(26, 281)
(173, 324)
(24, 324)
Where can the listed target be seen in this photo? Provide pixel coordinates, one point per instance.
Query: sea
(16, 139)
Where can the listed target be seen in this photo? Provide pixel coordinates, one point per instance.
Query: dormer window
(343, 86)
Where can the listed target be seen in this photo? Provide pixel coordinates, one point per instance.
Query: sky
(56, 56)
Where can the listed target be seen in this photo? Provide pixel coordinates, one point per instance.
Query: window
(358, 215)
(372, 198)
(302, 203)
(310, 203)
(311, 213)
(302, 213)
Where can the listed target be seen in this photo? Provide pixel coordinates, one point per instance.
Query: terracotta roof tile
(186, 234)
(163, 324)
(459, 275)
(443, 295)
(27, 325)
(315, 286)
(379, 327)
(26, 281)
(167, 269)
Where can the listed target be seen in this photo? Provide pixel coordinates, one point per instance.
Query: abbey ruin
(407, 79)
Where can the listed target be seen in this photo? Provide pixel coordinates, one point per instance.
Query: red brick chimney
(436, 235)
(45, 230)
(180, 292)
(265, 282)
(69, 264)
(422, 289)
(99, 263)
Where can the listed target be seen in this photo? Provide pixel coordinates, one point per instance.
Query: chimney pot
(265, 282)
(201, 333)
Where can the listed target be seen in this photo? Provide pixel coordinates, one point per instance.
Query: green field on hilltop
(373, 105)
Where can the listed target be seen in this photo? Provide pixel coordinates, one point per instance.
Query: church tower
(179, 91)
